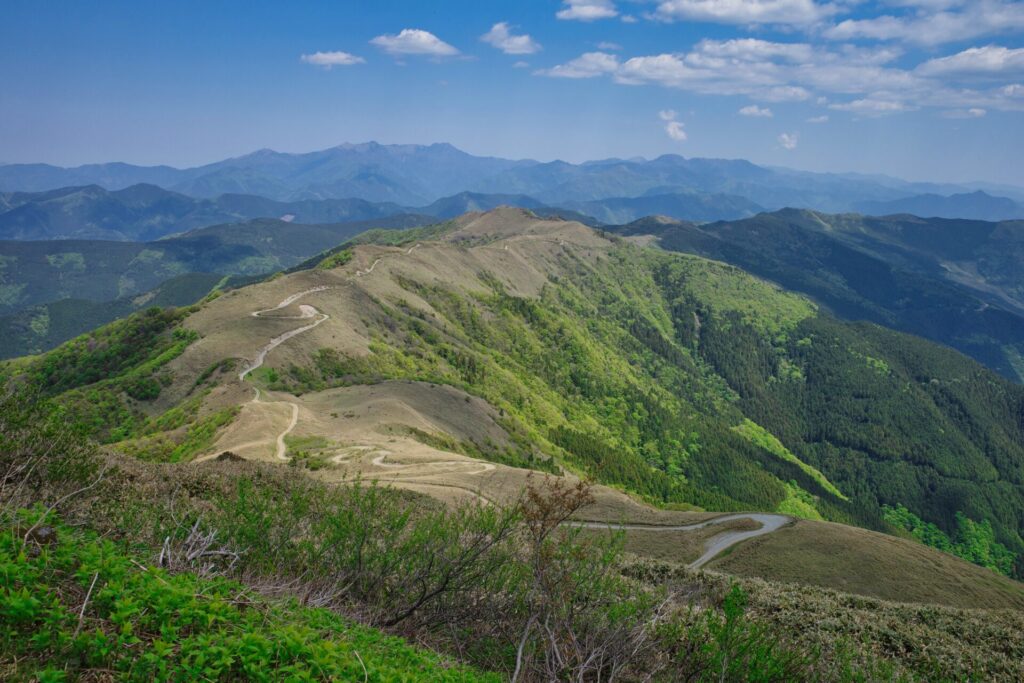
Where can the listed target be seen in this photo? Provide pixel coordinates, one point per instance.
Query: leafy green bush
(79, 606)
(725, 645)
(335, 260)
(973, 541)
(142, 388)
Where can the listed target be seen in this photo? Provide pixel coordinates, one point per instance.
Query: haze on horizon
(918, 89)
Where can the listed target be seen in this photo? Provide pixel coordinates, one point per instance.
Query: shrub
(81, 607)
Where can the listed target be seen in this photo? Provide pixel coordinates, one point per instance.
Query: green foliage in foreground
(973, 541)
(81, 604)
(473, 577)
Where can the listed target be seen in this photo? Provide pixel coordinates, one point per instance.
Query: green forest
(684, 380)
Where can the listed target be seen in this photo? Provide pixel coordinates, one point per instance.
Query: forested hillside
(952, 281)
(681, 379)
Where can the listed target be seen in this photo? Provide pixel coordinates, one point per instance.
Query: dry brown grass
(676, 546)
(881, 639)
(867, 563)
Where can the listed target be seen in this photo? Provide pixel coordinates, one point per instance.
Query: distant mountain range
(148, 212)
(416, 175)
(410, 174)
(975, 205)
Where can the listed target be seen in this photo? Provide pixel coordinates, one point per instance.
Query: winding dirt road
(717, 544)
(305, 312)
(714, 547)
(476, 466)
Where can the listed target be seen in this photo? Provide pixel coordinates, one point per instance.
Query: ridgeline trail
(715, 546)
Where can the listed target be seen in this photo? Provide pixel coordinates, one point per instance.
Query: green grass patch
(82, 607)
(766, 440)
(798, 503)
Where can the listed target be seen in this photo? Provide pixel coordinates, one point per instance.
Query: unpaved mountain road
(716, 545)
(282, 448)
(305, 312)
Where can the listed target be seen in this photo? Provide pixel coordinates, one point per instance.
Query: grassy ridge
(644, 369)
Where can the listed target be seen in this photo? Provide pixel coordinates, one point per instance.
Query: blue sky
(922, 89)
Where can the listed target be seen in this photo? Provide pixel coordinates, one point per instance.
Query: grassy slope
(142, 623)
(637, 366)
(818, 553)
(638, 370)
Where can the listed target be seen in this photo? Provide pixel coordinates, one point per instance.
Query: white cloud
(870, 106)
(878, 28)
(988, 60)
(783, 93)
(587, 10)
(628, 19)
(414, 41)
(674, 129)
(501, 37)
(972, 113)
(661, 69)
(789, 140)
(818, 119)
(926, 4)
(754, 49)
(756, 111)
(332, 59)
(859, 79)
(587, 65)
(795, 12)
(521, 65)
(932, 24)
(608, 46)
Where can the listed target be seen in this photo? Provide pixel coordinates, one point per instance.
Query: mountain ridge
(420, 174)
(720, 381)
